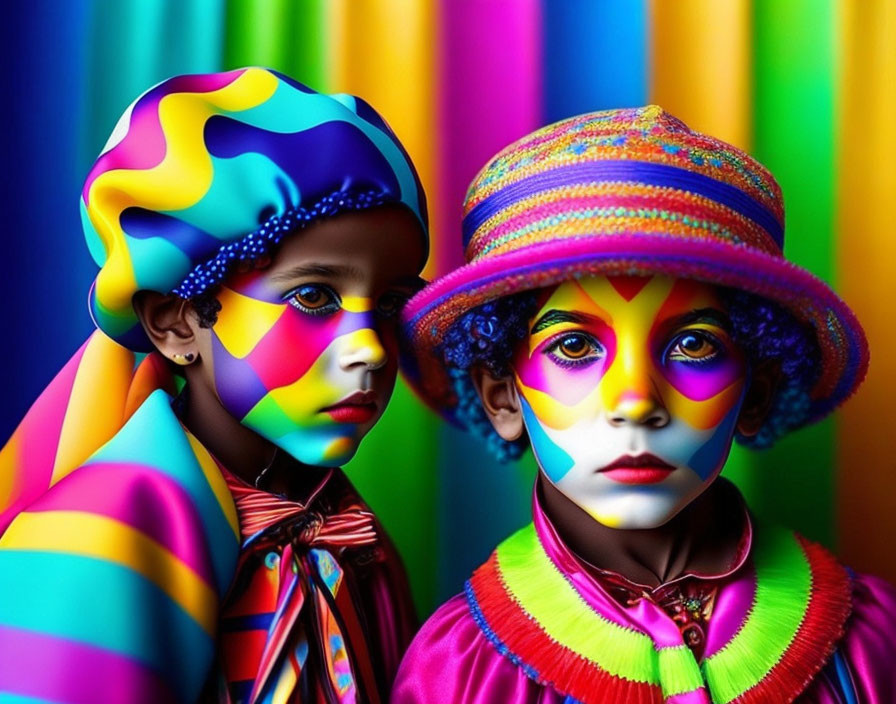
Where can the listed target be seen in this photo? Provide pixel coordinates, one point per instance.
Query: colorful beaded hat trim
(535, 617)
(629, 192)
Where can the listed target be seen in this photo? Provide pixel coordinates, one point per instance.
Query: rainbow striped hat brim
(630, 192)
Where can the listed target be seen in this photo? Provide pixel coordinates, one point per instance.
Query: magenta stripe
(38, 435)
(698, 696)
(481, 111)
(733, 604)
(43, 666)
(142, 498)
(144, 145)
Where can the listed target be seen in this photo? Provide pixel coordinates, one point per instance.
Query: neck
(242, 451)
(701, 539)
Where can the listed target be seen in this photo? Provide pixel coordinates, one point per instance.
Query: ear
(500, 402)
(170, 323)
(764, 382)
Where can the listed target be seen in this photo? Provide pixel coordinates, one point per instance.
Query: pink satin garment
(452, 662)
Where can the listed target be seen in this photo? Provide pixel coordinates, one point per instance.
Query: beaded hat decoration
(203, 171)
(630, 192)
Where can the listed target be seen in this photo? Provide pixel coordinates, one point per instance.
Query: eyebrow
(413, 283)
(712, 316)
(338, 271)
(555, 317)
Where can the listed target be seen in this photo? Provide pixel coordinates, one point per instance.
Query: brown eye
(693, 347)
(575, 348)
(315, 299)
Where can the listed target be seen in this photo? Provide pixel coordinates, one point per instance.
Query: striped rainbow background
(805, 85)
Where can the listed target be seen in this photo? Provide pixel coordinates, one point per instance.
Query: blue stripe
(582, 73)
(618, 171)
(844, 678)
(106, 605)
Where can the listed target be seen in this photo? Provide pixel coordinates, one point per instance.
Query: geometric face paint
(630, 389)
(304, 352)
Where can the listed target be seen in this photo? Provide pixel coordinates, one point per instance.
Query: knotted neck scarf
(291, 629)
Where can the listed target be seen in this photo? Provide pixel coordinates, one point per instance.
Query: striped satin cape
(118, 539)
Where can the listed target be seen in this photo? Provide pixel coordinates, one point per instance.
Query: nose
(631, 390)
(639, 409)
(363, 348)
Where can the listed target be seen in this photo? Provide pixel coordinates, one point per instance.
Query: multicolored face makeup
(304, 351)
(630, 390)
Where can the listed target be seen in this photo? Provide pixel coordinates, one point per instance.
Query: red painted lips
(638, 469)
(358, 407)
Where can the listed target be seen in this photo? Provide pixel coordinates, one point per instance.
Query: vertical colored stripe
(595, 56)
(701, 72)
(700, 65)
(866, 252)
(384, 52)
(491, 95)
(286, 35)
(794, 89)
(45, 284)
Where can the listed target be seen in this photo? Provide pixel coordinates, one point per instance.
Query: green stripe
(542, 591)
(679, 672)
(795, 73)
(783, 588)
(286, 35)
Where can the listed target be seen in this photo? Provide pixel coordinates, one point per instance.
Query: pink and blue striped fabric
(114, 570)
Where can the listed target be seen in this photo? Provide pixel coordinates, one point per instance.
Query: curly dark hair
(487, 335)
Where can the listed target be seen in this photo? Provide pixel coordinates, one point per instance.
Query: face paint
(304, 350)
(630, 390)
(280, 366)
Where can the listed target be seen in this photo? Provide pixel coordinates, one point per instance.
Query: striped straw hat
(630, 192)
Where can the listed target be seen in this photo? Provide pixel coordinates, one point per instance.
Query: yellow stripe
(390, 62)
(867, 250)
(217, 483)
(78, 533)
(701, 59)
(9, 470)
(96, 404)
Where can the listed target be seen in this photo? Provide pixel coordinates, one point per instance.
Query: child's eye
(314, 299)
(693, 346)
(575, 348)
(390, 304)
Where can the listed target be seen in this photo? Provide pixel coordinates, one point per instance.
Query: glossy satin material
(119, 544)
(451, 660)
(319, 610)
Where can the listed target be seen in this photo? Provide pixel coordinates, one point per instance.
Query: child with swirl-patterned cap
(627, 311)
(174, 525)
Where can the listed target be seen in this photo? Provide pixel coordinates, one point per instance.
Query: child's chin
(321, 449)
(639, 513)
